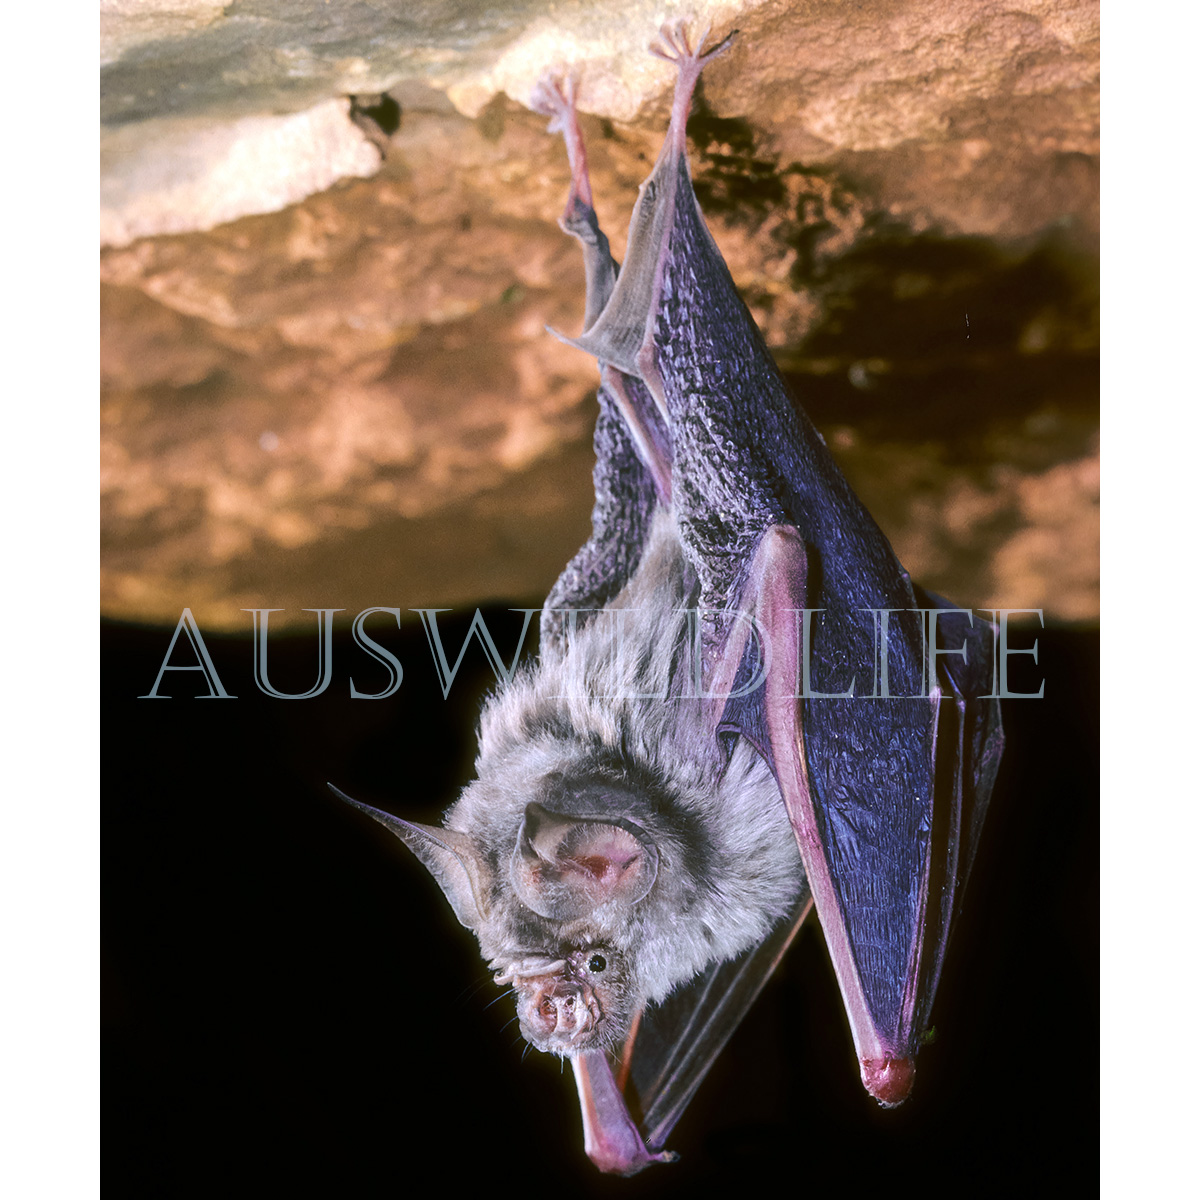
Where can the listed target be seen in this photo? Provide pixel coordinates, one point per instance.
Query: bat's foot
(889, 1080)
(675, 46)
(554, 96)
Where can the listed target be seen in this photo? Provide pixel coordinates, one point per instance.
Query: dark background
(289, 1005)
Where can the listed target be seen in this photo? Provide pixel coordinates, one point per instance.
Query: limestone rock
(353, 400)
(127, 24)
(186, 174)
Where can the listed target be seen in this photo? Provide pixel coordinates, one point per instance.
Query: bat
(742, 709)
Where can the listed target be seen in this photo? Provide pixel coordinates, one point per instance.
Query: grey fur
(604, 729)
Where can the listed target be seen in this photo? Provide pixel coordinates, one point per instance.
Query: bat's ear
(565, 866)
(452, 858)
(455, 862)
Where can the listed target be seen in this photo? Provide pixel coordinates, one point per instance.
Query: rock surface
(350, 399)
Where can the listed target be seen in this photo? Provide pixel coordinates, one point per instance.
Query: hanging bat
(740, 709)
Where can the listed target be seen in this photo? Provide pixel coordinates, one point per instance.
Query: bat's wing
(877, 773)
(627, 1117)
(678, 1041)
(970, 741)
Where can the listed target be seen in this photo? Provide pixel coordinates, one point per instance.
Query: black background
(290, 1006)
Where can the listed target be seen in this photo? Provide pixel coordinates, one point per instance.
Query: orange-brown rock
(353, 401)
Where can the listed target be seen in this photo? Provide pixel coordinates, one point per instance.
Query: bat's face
(567, 898)
(575, 1002)
(559, 903)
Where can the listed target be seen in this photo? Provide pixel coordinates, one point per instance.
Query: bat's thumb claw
(889, 1080)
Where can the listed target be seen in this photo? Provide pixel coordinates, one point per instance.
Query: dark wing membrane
(769, 523)
(970, 741)
(679, 1040)
(745, 462)
(625, 503)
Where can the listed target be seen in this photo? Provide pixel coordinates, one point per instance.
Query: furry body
(604, 729)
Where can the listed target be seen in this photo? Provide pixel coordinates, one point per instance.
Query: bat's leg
(674, 45)
(632, 453)
(646, 426)
(554, 99)
(623, 335)
(610, 1137)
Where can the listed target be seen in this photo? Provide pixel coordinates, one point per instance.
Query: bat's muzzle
(558, 1014)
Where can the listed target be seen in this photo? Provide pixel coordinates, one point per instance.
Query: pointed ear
(564, 867)
(452, 858)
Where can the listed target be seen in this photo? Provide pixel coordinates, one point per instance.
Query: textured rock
(180, 175)
(984, 115)
(353, 401)
(128, 24)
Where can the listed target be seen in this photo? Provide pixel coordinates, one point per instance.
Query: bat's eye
(597, 963)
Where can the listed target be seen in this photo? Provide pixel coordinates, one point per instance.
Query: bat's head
(574, 886)
(558, 910)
